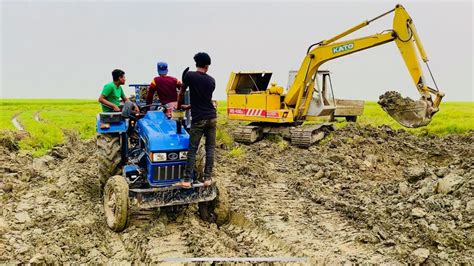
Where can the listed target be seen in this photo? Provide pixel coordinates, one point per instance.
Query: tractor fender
(117, 127)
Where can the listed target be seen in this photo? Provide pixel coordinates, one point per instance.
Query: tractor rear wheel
(109, 157)
(216, 211)
(200, 163)
(116, 203)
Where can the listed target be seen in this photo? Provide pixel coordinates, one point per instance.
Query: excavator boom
(406, 112)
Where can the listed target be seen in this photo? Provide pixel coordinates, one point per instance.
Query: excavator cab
(321, 104)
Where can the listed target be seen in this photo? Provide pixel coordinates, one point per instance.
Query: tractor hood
(159, 133)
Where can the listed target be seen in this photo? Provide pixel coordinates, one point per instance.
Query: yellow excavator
(272, 111)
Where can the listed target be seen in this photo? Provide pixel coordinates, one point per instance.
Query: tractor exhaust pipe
(178, 116)
(178, 126)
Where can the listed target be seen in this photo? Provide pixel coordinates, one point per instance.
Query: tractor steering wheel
(160, 107)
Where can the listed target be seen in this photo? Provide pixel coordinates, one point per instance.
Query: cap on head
(202, 59)
(162, 68)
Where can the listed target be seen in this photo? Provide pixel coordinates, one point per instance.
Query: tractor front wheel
(116, 203)
(216, 211)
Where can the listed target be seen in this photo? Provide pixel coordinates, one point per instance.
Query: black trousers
(206, 128)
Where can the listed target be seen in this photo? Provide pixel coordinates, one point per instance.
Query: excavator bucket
(405, 111)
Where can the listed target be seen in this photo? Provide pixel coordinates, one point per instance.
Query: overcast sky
(67, 49)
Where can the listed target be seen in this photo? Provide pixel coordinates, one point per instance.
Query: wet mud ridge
(363, 195)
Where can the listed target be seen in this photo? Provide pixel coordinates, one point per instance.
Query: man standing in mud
(113, 92)
(204, 117)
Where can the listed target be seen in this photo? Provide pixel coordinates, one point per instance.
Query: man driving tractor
(166, 87)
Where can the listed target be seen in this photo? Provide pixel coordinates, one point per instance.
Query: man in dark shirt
(204, 117)
(166, 87)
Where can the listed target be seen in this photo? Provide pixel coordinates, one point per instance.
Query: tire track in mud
(266, 197)
(151, 241)
(322, 234)
(17, 123)
(238, 238)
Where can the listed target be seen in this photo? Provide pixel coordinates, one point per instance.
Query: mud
(405, 111)
(363, 195)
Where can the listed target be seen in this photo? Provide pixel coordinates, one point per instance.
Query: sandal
(207, 181)
(186, 183)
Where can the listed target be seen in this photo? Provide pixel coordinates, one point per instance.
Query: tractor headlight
(158, 157)
(183, 155)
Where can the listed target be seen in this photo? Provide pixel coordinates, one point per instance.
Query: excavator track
(247, 134)
(306, 136)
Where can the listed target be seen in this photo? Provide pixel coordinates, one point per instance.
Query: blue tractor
(141, 159)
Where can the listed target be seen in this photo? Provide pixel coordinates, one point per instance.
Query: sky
(67, 49)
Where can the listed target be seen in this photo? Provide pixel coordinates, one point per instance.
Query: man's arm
(105, 102)
(151, 93)
(182, 90)
(179, 84)
(125, 99)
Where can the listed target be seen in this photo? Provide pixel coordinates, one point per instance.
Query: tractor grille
(169, 172)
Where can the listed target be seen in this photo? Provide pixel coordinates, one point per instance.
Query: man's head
(202, 60)
(118, 76)
(162, 68)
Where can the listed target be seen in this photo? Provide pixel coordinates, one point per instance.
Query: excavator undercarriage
(301, 136)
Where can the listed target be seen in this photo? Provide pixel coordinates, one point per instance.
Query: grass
(223, 137)
(55, 116)
(79, 115)
(5, 118)
(237, 151)
(453, 118)
(43, 136)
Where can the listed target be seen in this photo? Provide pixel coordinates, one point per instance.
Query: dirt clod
(415, 173)
(449, 183)
(9, 140)
(418, 213)
(420, 255)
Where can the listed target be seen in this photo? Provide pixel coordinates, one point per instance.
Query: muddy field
(362, 195)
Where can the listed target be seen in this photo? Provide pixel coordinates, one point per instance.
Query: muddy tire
(216, 211)
(116, 203)
(200, 163)
(108, 157)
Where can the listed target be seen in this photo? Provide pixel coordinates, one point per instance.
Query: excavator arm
(409, 114)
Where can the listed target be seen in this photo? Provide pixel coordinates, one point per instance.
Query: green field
(453, 118)
(79, 115)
